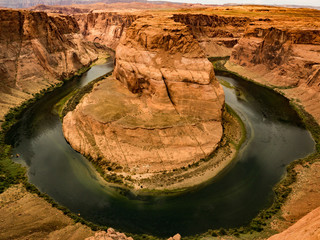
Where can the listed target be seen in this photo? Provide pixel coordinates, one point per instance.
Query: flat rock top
(156, 33)
(111, 102)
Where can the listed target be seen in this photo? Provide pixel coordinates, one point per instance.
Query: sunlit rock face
(38, 50)
(217, 35)
(287, 57)
(105, 28)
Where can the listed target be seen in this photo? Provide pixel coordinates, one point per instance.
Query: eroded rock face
(104, 27)
(290, 56)
(160, 111)
(161, 59)
(286, 58)
(216, 34)
(36, 51)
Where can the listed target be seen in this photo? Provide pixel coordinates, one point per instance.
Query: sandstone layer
(38, 50)
(104, 27)
(160, 111)
(285, 55)
(26, 216)
(217, 35)
(29, 3)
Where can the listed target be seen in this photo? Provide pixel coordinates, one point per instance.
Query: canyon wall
(29, 3)
(160, 111)
(38, 50)
(216, 34)
(285, 58)
(104, 28)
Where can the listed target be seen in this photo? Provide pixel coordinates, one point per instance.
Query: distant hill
(30, 3)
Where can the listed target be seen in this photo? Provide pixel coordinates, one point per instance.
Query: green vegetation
(71, 101)
(243, 128)
(10, 172)
(216, 59)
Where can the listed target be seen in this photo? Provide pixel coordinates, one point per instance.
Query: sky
(264, 2)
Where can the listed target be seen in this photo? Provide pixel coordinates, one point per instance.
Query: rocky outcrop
(160, 111)
(285, 58)
(111, 234)
(37, 51)
(162, 60)
(104, 27)
(307, 227)
(289, 56)
(216, 34)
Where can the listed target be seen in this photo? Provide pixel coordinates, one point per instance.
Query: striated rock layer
(162, 108)
(36, 51)
(285, 58)
(217, 35)
(104, 27)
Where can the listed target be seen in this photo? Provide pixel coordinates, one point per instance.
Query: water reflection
(275, 138)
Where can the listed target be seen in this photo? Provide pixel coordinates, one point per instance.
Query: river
(275, 137)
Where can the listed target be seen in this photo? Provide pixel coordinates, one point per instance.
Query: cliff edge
(37, 51)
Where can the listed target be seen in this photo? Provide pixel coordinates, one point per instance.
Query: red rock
(38, 50)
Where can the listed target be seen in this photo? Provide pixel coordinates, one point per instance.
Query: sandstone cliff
(104, 27)
(161, 110)
(37, 50)
(285, 58)
(29, 3)
(216, 34)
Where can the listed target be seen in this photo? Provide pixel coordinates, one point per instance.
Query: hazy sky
(266, 2)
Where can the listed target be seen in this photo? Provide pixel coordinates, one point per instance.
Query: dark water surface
(275, 139)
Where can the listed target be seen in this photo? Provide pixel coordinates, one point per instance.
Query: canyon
(276, 47)
(29, 3)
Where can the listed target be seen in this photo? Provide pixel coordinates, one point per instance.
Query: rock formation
(307, 227)
(37, 50)
(285, 58)
(216, 34)
(161, 110)
(104, 27)
(29, 3)
(111, 234)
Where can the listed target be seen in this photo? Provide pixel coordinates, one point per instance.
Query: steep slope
(162, 109)
(26, 216)
(285, 58)
(307, 228)
(36, 51)
(104, 27)
(216, 34)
